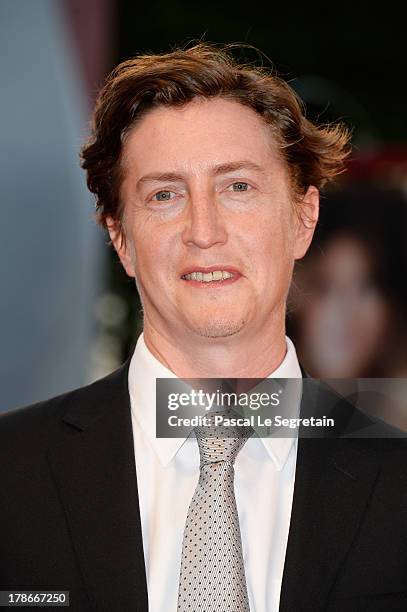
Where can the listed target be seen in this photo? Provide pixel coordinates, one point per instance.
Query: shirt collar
(145, 369)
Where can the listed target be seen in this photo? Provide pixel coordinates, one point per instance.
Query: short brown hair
(314, 154)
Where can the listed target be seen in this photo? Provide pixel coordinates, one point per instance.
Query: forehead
(197, 136)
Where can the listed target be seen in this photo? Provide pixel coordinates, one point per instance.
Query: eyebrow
(173, 177)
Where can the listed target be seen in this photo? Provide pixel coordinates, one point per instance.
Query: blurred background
(68, 313)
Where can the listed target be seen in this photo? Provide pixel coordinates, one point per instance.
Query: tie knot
(221, 442)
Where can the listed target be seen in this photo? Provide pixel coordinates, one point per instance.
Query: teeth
(207, 277)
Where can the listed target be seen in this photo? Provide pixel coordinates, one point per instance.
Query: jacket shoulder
(35, 419)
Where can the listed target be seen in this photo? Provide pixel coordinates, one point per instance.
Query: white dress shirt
(168, 472)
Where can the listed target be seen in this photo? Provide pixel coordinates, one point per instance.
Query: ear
(122, 245)
(307, 217)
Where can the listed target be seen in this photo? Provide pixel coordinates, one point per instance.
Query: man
(207, 177)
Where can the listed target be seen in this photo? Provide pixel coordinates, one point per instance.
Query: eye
(240, 186)
(163, 196)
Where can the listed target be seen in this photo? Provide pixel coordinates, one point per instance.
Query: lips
(208, 277)
(211, 274)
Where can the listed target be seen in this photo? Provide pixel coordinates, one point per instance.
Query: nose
(204, 224)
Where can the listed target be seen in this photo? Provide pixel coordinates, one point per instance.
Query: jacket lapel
(95, 473)
(333, 484)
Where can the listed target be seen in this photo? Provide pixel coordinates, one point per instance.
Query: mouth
(210, 276)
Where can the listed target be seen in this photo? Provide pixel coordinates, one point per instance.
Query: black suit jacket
(69, 513)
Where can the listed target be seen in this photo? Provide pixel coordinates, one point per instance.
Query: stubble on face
(219, 327)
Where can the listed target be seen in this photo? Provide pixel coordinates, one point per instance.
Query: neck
(232, 357)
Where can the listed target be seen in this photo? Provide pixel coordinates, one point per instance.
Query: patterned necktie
(212, 576)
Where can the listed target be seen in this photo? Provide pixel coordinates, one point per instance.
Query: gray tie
(212, 576)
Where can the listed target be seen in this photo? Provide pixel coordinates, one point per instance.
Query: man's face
(211, 231)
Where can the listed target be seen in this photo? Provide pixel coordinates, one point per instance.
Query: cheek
(155, 258)
(274, 248)
(272, 230)
(145, 256)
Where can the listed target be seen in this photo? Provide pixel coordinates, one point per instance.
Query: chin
(218, 328)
